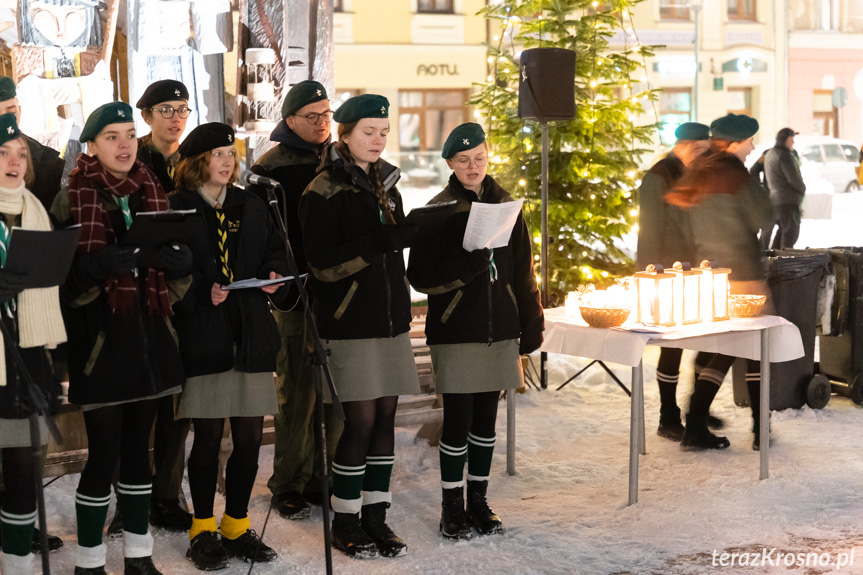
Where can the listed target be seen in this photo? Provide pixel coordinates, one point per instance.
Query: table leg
(642, 444)
(764, 432)
(636, 417)
(510, 431)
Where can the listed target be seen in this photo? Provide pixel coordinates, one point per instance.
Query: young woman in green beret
(727, 208)
(228, 340)
(350, 216)
(484, 311)
(122, 352)
(33, 319)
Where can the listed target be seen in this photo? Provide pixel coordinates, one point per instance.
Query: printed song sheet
(490, 225)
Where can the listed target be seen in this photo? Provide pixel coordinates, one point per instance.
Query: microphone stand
(37, 407)
(318, 357)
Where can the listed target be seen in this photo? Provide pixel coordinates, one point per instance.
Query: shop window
(426, 117)
(338, 6)
(740, 101)
(435, 6)
(741, 9)
(674, 9)
(825, 116)
(815, 14)
(675, 108)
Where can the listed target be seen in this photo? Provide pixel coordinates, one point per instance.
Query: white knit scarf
(40, 322)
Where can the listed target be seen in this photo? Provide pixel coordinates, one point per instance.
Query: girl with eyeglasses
(165, 108)
(228, 340)
(483, 312)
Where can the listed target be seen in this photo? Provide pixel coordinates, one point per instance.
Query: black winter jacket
(465, 306)
(784, 180)
(358, 290)
(664, 233)
(157, 163)
(48, 169)
(208, 334)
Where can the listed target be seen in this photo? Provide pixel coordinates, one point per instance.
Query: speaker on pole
(546, 84)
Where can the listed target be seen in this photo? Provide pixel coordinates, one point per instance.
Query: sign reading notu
(437, 70)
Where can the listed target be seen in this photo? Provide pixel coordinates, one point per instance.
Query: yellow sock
(231, 528)
(200, 525)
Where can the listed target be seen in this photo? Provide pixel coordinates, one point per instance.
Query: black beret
(733, 127)
(110, 113)
(302, 94)
(362, 106)
(692, 131)
(207, 137)
(464, 137)
(7, 88)
(8, 128)
(162, 91)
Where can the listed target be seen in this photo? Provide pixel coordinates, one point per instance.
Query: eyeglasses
(168, 112)
(464, 163)
(314, 119)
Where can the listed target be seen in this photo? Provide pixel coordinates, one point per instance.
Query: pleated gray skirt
(476, 367)
(365, 369)
(228, 394)
(16, 432)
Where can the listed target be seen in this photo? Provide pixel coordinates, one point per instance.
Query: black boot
(478, 512)
(140, 566)
(292, 505)
(206, 552)
(453, 521)
(697, 437)
(91, 570)
(374, 523)
(54, 542)
(168, 514)
(349, 537)
(669, 423)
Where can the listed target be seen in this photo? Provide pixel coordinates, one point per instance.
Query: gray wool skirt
(16, 432)
(476, 367)
(228, 394)
(365, 369)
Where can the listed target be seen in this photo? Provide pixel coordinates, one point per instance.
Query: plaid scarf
(97, 232)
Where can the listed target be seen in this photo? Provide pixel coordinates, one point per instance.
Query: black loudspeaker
(546, 84)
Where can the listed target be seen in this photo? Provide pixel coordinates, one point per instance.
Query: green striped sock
(479, 453)
(347, 487)
(91, 513)
(379, 469)
(134, 501)
(452, 465)
(17, 532)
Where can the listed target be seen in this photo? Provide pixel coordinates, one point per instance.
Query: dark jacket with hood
(157, 163)
(210, 334)
(359, 290)
(48, 169)
(465, 304)
(782, 173)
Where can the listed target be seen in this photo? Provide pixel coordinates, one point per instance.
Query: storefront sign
(437, 70)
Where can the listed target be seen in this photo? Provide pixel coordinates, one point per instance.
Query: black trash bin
(794, 277)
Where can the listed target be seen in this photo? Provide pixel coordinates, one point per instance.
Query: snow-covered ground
(565, 508)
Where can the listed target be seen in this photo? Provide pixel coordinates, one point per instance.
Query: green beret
(733, 127)
(692, 131)
(162, 91)
(206, 137)
(362, 106)
(8, 128)
(7, 89)
(302, 94)
(464, 137)
(110, 113)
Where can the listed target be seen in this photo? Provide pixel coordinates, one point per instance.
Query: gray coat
(782, 170)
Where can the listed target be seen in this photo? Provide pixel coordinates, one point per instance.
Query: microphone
(249, 177)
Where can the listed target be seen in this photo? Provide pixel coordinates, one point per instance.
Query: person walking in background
(301, 136)
(785, 182)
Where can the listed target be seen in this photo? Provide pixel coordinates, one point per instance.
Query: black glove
(529, 342)
(116, 260)
(391, 238)
(176, 259)
(11, 285)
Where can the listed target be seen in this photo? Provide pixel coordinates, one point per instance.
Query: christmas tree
(593, 159)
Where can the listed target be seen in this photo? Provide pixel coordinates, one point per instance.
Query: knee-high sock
(452, 465)
(347, 487)
(376, 483)
(17, 533)
(479, 454)
(91, 513)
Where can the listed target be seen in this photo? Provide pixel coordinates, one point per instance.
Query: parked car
(828, 165)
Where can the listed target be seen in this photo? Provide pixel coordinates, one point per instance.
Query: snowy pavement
(565, 509)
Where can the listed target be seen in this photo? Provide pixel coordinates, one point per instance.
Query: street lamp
(696, 9)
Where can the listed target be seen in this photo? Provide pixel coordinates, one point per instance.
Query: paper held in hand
(257, 283)
(490, 225)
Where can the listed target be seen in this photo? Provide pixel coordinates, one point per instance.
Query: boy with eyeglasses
(302, 137)
(165, 107)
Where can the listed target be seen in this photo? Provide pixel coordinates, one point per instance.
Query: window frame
(423, 108)
(740, 15)
(435, 9)
(744, 89)
(674, 10)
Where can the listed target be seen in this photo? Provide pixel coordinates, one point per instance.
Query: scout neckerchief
(5, 234)
(223, 243)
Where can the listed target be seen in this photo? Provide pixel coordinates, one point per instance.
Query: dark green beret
(110, 113)
(692, 131)
(302, 94)
(207, 137)
(8, 128)
(362, 106)
(162, 91)
(7, 88)
(464, 137)
(733, 127)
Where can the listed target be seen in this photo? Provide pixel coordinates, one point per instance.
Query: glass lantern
(714, 294)
(655, 296)
(687, 293)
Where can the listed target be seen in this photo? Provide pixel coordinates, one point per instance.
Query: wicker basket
(740, 305)
(604, 316)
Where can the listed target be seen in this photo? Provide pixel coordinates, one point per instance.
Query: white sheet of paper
(490, 225)
(256, 283)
